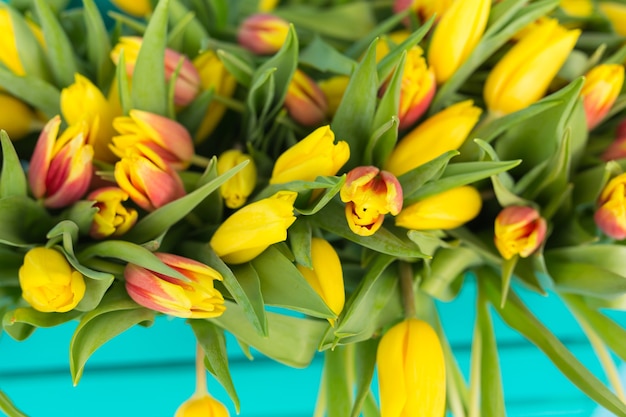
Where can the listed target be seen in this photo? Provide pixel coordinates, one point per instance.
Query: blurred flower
(201, 405)
(519, 230)
(139, 8)
(326, 276)
(617, 148)
(254, 227)
(112, 218)
(577, 8)
(456, 35)
(163, 136)
(442, 132)
(603, 84)
(194, 298)
(333, 89)
(423, 8)
(61, 169)
(263, 33)
(411, 371)
(610, 215)
(9, 55)
(267, 5)
(369, 194)
(49, 283)
(305, 102)
(16, 117)
(390, 41)
(236, 190)
(447, 210)
(523, 74)
(616, 14)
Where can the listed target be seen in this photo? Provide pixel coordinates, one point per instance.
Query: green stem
(230, 103)
(200, 161)
(408, 292)
(201, 385)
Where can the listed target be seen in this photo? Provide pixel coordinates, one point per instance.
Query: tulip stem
(201, 386)
(231, 104)
(200, 161)
(408, 292)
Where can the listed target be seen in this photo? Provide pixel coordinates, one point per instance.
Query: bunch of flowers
(350, 164)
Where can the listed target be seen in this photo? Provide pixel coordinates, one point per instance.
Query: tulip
(187, 82)
(149, 181)
(369, 194)
(333, 89)
(603, 84)
(442, 132)
(316, 155)
(577, 8)
(262, 33)
(9, 55)
(447, 210)
(236, 190)
(519, 230)
(112, 218)
(213, 75)
(61, 169)
(411, 371)
(49, 283)
(305, 102)
(423, 8)
(617, 149)
(326, 276)
(17, 118)
(616, 14)
(254, 227)
(523, 74)
(201, 405)
(165, 137)
(267, 5)
(138, 8)
(610, 215)
(456, 35)
(194, 298)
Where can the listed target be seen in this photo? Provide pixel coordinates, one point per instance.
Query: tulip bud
(262, 33)
(112, 218)
(445, 131)
(236, 190)
(603, 84)
(369, 194)
(326, 276)
(195, 298)
(411, 371)
(610, 215)
(617, 148)
(577, 8)
(61, 169)
(519, 230)
(49, 283)
(9, 55)
(456, 35)
(16, 117)
(523, 74)
(423, 8)
(254, 227)
(165, 137)
(333, 89)
(305, 102)
(616, 14)
(201, 405)
(447, 210)
(138, 8)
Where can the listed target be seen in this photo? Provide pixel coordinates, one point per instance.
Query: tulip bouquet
(317, 178)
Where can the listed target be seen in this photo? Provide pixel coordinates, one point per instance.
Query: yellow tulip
(112, 218)
(16, 117)
(236, 190)
(603, 84)
(577, 8)
(423, 8)
(519, 230)
(616, 14)
(610, 216)
(9, 55)
(333, 89)
(201, 405)
(267, 5)
(139, 8)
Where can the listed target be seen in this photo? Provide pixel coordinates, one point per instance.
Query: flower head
(16, 117)
(519, 230)
(616, 14)
(334, 89)
(263, 33)
(9, 55)
(603, 84)
(201, 405)
(305, 102)
(610, 216)
(424, 9)
(137, 8)
(112, 218)
(236, 190)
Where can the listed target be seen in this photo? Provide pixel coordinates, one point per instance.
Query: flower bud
(447, 210)
(610, 215)
(369, 194)
(49, 283)
(326, 276)
(235, 191)
(616, 14)
(61, 169)
(411, 371)
(333, 89)
(16, 117)
(262, 33)
(254, 227)
(577, 8)
(442, 132)
(201, 405)
(617, 148)
(112, 218)
(423, 8)
(138, 8)
(194, 298)
(305, 102)
(603, 84)
(523, 74)
(519, 230)
(9, 55)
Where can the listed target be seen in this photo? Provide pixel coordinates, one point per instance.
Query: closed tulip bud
(617, 148)
(138, 8)
(164, 136)
(369, 194)
(267, 5)
(577, 8)
(523, 74)
(442, 132)
(254, 227)
(305, 102)
(201, 405)
(187, 82)
(49, 283)
(333, 89)
(316, 155)
(194, 298)
(236, 190)
(60, 169)
(417, 88)
(616, 14)
(610, 216)
(411, 371)
(326, 276)
(262, 33)
(447, 210)
(112, 219)
(456, 35)
(423, 8)
(16, 117)
(519, 230)
(603, 84)
(9, 55)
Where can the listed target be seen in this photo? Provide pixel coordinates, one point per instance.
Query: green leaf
(22, 322)
(81, 213)
(300, 235)
(123, 85)
(23, 222)
(12, 178)
(447, 264)
(7, 406)
(414, 179)
(337, 381)
(323, 57)
(251, 284)
(98, 44)
(191, 116)
(365, 353)
(34, 91)
(193, 33)
(508, 266)
(238, 67)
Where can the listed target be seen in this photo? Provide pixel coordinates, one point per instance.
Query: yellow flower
(254, 227)
(610, 216)
(616, 13)
(16, 117)
(201, 405)
(411, 371)
(424, 8)
(137, 8)
(445, 131)
(112, 218)
(519, 230)
(305, 102)
(333, 89)
(578, 8)
(49, 283)
(267, 5)
(447, 210)
(263, 33)
(603, 84)
(236, 190)
(9, 55)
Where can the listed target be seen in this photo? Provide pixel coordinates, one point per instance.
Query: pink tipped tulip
(263, 33)
(519, 230)
(603, 84)
(610, 216)
(305, 101)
